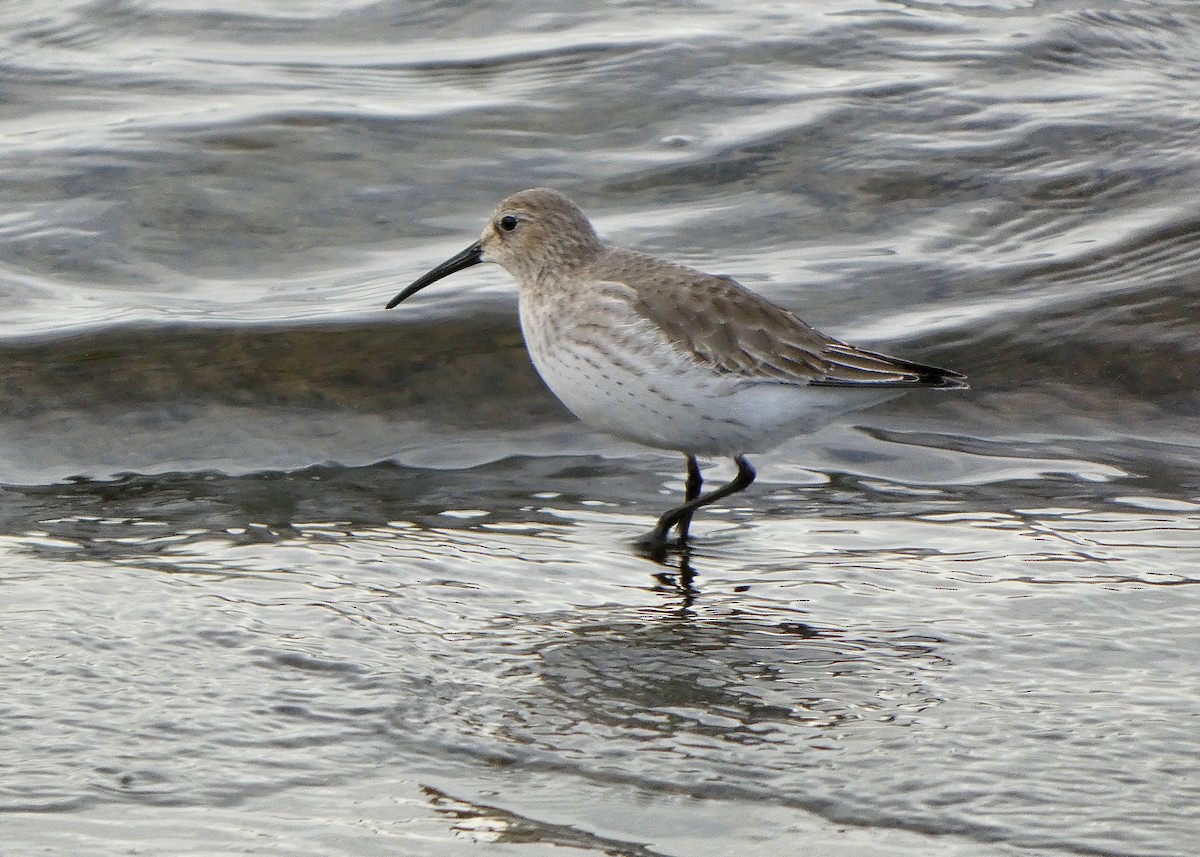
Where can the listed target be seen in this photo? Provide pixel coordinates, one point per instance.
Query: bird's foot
(656, 544)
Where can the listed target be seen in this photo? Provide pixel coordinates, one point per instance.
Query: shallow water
(285, 572)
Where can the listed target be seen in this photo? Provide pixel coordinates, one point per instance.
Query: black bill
(473, 255)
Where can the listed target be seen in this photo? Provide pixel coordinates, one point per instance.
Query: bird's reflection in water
(678, 575)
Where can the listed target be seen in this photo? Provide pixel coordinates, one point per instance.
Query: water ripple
(281, 568)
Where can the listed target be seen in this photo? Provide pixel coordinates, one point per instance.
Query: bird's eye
(508, 222)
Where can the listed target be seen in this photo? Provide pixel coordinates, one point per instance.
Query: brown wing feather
(735, 330)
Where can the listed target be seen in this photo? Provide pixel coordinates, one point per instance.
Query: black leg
(658, 536)
(690, 492)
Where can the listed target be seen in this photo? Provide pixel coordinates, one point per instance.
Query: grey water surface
(283, 573)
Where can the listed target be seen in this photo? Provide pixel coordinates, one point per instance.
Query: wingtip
(858, 367)
(943, 379)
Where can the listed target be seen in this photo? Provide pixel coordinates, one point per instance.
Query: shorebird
(669, 356)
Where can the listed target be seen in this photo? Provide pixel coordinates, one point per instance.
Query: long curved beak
(473, 255)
